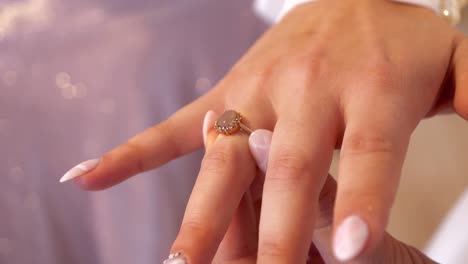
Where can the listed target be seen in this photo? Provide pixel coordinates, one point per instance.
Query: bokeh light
(62, 80)
(203, 84)
(9, 78)
(33, 13)
(68, 90)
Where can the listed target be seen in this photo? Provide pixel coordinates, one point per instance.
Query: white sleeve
(450, 242)
(273, 10)
(288, 5)
(268, 9)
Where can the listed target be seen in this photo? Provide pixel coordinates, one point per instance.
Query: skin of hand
(238, 245)
(357, 75)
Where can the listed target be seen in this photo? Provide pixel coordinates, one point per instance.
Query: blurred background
(80, 77)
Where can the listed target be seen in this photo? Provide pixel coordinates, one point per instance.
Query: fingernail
(208, 122)
(176, 258)
(259, 143)
(80, 169)
(350, 238)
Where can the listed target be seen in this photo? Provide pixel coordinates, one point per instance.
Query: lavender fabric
(80, 77)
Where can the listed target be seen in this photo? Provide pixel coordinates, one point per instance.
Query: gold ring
(230, 122)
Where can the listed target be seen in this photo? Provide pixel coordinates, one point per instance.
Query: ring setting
(230, 122)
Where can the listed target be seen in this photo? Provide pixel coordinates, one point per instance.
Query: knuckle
(381, 74)
(252, 72)
(272, 248)
(368, 143)
(288, 167)
(195, 228)
(308, 65)
(248, 79)
(220, 158)
(135, 151)
(215, 161)
(168, 129)
(263, 74)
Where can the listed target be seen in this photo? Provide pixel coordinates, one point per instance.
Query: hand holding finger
(239, 244)
(389, 249)
(226, 174)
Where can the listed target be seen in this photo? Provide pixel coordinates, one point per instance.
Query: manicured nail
(80, 169)
(259, 143)
(208, 123)
(176, 258)
(350, 238)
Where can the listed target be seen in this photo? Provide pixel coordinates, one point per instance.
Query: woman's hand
(238, 245)
(356, 74)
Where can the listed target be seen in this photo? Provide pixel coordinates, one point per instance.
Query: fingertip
(114, 167)
(86, 184)
(80, 170)
(350, 238)
(359, 228)
(259, 144)
(93, 182)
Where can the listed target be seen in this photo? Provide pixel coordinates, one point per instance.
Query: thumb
(460, 62)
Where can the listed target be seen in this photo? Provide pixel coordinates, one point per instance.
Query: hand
(239, 243)
(358, 75)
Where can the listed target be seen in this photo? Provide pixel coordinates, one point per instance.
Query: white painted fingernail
(259, 143)
(176, 258)
(208, 123)
(80, 169)
(350, 238)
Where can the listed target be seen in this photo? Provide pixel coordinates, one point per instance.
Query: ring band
(230, 122)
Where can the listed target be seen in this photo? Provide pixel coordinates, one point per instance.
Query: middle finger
(300, 156)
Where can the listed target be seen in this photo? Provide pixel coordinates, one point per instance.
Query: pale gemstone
(227, 118)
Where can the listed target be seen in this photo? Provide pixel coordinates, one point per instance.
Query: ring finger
(226, 173)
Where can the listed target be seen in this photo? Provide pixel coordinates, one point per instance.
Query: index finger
(178, 135)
